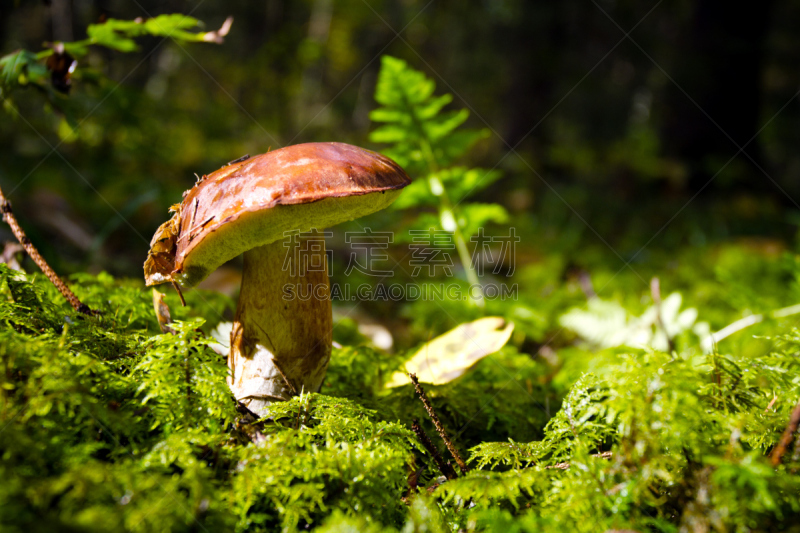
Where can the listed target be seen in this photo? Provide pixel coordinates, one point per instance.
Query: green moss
(107, 424)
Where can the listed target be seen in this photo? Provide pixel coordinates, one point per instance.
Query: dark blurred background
(658, 124)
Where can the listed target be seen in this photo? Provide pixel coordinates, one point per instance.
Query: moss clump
(108, 425)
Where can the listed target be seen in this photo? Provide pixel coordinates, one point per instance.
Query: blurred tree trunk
(61, 15)
(528, 47)
(720, 68)
(310, 104)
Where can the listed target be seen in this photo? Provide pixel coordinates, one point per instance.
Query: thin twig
(288, 383)
(413, 483)
(709, 342)
(442, 433)
(188, 371)
(178, 290)
(164, 320)
(306, 415)
(565, 466)
(249, 425)
(444, 466)
(292, 389)
(10, 219)
(771, 403)
(786, 439)
(266, 397)
(585, 282)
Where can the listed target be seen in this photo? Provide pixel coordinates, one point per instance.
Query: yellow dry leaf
(450, 355)
(162, 312)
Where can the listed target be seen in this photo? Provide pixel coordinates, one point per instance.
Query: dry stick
(10, 219)
(771, 403)
(178, 290)
(439, 427)
(709, 342)
(292, 388)
(413, 483)
(780, 449)
(444, 466)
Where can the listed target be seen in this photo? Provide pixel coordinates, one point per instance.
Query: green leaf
(416, 122)
(459, 182)
(387, 115)
(442, 125)
(462, 182)
(430, 109)
(473, 217)
(22, 68)
(389, 133)
(172, 25)
(107, 35)
(118, 34)
(455, 145)
(423, 222)
(607, 324)
(13, 64)
(415, 195)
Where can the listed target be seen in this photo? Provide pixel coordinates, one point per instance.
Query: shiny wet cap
(256, 201)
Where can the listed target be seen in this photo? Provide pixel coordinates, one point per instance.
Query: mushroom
(280, 340)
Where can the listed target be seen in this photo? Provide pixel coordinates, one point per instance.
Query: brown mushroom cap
(254, 202)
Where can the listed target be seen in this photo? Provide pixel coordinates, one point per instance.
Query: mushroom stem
(281, 336)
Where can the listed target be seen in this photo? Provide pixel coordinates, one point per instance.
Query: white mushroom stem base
(281, 337)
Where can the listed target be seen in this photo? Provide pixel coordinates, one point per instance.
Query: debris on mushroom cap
(244, 205)
(161, 258)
